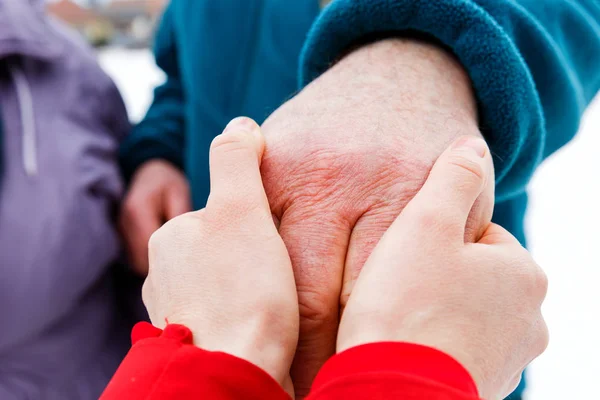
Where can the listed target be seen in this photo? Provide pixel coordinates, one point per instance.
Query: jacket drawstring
(29, 143)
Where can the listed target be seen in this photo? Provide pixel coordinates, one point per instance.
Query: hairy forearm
(426, 72)
(406, 80)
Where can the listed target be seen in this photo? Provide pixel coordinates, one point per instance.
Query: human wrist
(252, 341)
(415, 85)
(420, 70)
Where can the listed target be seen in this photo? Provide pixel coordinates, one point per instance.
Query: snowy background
(563, 232)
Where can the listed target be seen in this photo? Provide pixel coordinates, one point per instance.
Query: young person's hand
(224, 271)
(479, 303)
(158, 192)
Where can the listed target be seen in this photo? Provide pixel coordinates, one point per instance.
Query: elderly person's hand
(224, 271)
(158, 193)
(478, 302)
(343, 159)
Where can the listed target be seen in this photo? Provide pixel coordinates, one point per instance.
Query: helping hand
(478, 302)
(224, 271)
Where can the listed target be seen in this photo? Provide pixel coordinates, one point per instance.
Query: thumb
(497, 235)
(235, 158)
(458, 178)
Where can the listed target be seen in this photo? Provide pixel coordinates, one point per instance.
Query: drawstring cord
(29, 144)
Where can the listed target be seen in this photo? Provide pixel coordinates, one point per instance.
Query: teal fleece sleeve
(161, 134)
(534, 64)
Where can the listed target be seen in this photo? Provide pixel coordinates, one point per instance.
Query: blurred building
(123, 22)
(72, 13)
(134, 20)
(91, 24)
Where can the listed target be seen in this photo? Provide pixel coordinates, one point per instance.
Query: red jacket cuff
(397, 363)
(166, 365)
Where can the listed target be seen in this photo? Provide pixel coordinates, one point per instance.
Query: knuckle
(537, 281)
(544, 337)
(175, 232)
(156, 240)
(232, 142)
(183, 224)
(316, 310)
(533, 279)
(541, 282)
(468, 168)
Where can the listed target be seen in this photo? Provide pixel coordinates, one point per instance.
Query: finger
(365, 235)
(235, 158)
(138, 222)
(481, 214)
(317, 246)
(455, 182)
(177, 202)
(497, 235)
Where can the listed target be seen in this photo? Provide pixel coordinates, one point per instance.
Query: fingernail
(475, 144)
(243, 124)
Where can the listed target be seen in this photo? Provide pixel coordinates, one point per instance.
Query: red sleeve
(393, 371)
(165, 365)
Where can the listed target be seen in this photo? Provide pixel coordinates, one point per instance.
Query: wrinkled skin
(342, 160)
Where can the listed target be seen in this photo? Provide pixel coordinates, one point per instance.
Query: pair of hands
(343, 159)
(225, 273)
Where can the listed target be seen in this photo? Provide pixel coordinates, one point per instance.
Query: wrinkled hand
(224, 271)
(158, 192)
(343, 159)
(480, 303)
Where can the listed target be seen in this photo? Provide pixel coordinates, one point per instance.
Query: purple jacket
(62, 120)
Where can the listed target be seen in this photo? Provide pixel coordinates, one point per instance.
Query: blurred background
(127, 23)
(563, 219)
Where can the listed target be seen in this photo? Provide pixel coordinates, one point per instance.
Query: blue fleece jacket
(534, 64)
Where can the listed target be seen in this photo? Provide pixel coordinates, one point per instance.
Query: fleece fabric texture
(535, 66)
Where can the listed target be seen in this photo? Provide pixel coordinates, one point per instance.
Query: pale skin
(230, 263)
(421, 284)
(343, 158)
